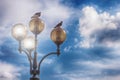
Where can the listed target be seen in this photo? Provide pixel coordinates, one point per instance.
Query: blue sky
(90, 52)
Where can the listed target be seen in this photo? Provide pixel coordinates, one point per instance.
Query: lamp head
(36, 25)
(29, 43)
(58, 35)
(19, 31)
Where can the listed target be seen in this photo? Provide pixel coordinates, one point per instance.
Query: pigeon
(36, 15)
(59, 24)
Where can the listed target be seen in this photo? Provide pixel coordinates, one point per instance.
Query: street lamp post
(28, 45)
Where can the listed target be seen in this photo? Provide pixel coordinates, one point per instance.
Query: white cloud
(77, 76)
(48, 61)
(93, 70)
(67, 49)
(93, 24)
(9, 72)
(101, 64)
(55, 12)
(100, 29)
(102, 69)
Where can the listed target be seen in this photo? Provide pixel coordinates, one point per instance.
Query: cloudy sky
(90, 52)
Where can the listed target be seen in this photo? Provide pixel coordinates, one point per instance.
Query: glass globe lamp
(29, 43)
(58, 35)
(36, 26)
(19, 31)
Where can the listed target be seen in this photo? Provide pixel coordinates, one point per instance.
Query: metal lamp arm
(44, 58)
(29, 58)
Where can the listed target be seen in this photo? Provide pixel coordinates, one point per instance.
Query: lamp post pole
(28, 45)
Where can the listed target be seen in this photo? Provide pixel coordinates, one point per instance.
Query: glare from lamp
(29, 43)
(19, 31)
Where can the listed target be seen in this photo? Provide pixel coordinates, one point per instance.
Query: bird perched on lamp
(59, 24)
(36, 15)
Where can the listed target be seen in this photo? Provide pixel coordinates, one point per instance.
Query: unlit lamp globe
(36, 26)
(58, 35)
(29, 43)
(19, 31)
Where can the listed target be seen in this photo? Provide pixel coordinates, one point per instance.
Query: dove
(59, 24)
(36, 15)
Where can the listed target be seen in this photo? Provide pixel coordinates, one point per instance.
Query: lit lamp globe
(36, 26)
(29, 43)
(58, 35)
(19, 31)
